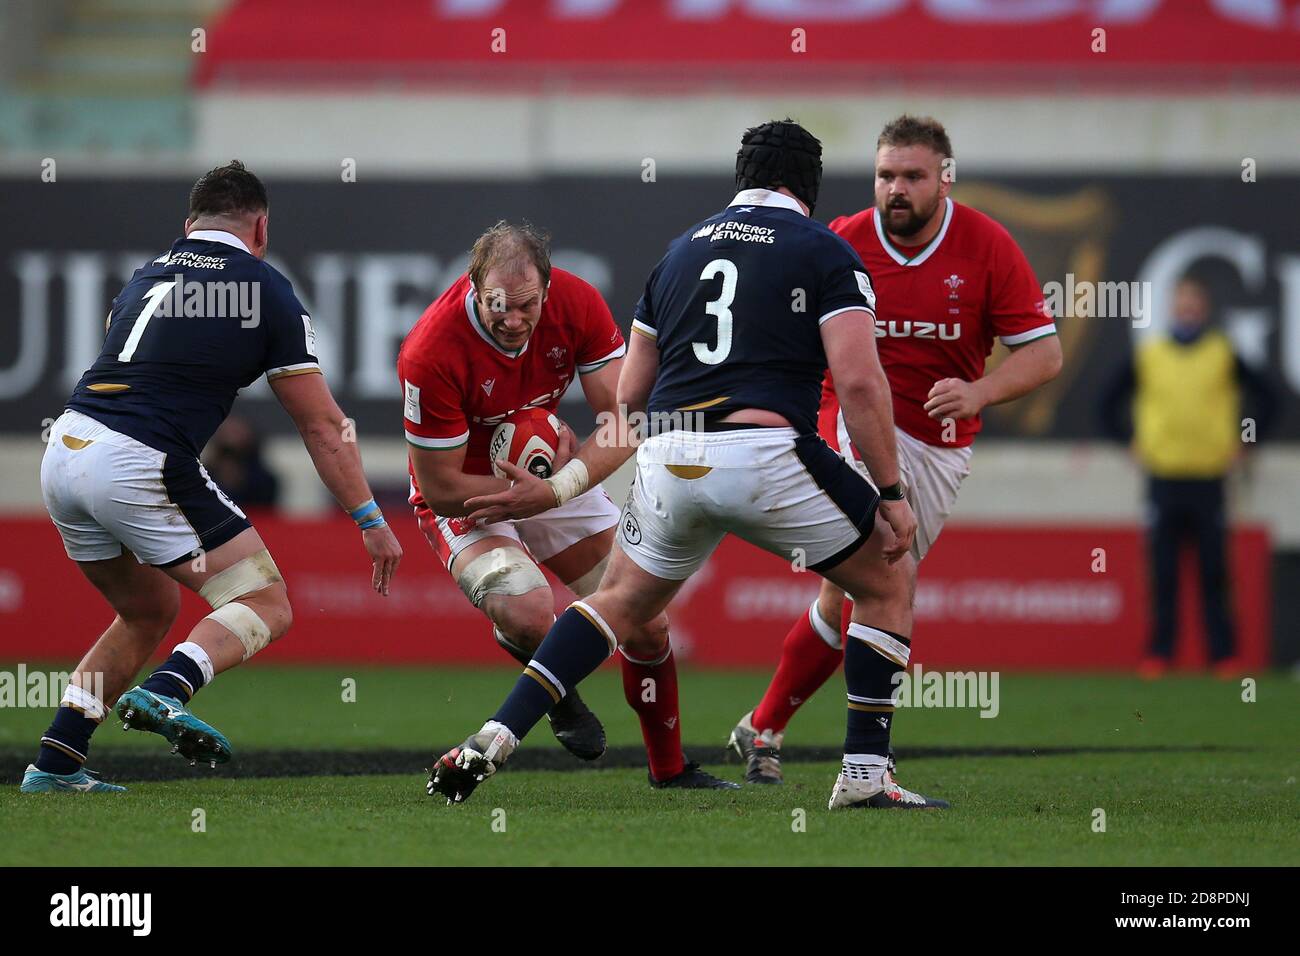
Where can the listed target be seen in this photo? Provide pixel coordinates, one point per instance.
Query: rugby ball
(529, 439)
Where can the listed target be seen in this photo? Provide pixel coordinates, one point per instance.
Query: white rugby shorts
(786, 493)
(106, 490)
(931, 476)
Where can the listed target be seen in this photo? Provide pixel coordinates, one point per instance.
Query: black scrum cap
(780, 153)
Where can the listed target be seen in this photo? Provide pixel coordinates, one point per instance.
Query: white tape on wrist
(569, 482)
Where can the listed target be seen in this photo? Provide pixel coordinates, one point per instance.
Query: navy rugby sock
(574, 647)
(179, 676)
(66, 743)
(872, 656)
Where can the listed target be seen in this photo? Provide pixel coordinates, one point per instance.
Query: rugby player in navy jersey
(136, 509)
(733, 335)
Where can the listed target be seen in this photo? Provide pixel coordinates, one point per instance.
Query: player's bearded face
(511, 306)
(909, 188)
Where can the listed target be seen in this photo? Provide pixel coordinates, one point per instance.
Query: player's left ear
(260, 231)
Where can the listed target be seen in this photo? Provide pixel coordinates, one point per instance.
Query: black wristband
(892, 492)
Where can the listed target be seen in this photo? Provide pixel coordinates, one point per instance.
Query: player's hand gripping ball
(529, 439)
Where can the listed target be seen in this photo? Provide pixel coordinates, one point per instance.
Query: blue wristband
(365, 513)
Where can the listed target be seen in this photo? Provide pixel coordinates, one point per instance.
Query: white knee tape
(882, 643)
(253, 573)
(588, 583)
(245, 623)
(500, 571)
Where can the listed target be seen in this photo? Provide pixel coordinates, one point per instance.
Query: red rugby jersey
(940, 306)
(459, 383)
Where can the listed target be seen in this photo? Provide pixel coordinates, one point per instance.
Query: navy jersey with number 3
(189, 330)
(736, 306)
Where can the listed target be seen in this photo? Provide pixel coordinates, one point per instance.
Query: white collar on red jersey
(484, 334)
(930, 246)
(766, 197)
(219, 235)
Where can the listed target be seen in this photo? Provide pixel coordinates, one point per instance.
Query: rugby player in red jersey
(511, 334)
(949, 281)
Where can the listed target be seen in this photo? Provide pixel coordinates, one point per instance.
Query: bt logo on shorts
(946, 331)
(631, 529)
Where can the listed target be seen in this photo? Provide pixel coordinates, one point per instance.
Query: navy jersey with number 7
(736, 306)
(190, 329)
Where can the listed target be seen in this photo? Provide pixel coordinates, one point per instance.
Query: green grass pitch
(1184, 770)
